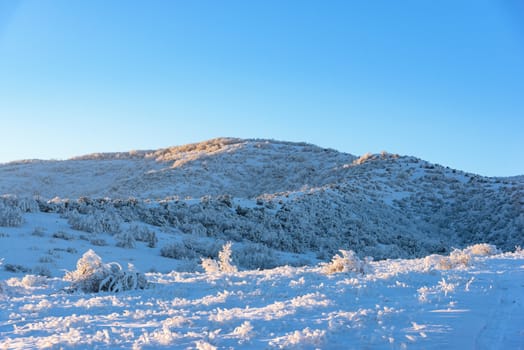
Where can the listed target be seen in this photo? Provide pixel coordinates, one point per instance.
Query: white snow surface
(395, 304)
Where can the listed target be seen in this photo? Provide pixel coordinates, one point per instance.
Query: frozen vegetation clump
(459, 258)
(93, 276)
(24, 204)
(41, 270)
(97, 221)
(347, 261)
(126, 240)
(482, 249)
(144, 234)
(33, 280)
(224, 263)
(255, 256)
(177, 250)
(10, 216)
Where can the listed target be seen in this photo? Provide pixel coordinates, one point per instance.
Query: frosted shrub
(223, 264)
(224, 257)
(244, 332)
(92, 276)
(98, 221)
(41, 270)
(143, 234)
(462, 258)
(210, 266)
(33, 280)
(28, 205)
(347, 262)
(177, 250)
(483, 249)
(457, 258)
(25, 204)
(15, 268)
(10, 216)
(98, 242)
(255, 256)
(363, 158)
(63, 235)
(86, 223)
(125, 240)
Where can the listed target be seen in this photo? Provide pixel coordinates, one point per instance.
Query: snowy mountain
(240, 168)
(329, 216)
(281, 196)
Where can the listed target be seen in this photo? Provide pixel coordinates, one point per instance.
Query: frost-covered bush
(210, 266)
(224, 259)
(483, 249)
(92, 276)
(255, 256)
(457, 258)
(95, 222)
(33, 280)
(16, 268)
(191, 248)
(41, 270)
(462, 258)
(100, 242)
(25, 204)
(363, 158)
(28, 205)
(63, 235)
(224, 263)
(177, 250)
(348, 261)
(144, 234)
(10, 216)
(125, 240)
(203, 248)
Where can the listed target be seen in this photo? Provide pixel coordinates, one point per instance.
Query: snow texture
(397, 304)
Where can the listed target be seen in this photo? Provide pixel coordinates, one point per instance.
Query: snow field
(397, 304)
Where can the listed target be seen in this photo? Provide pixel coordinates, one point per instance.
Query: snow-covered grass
(396, 304)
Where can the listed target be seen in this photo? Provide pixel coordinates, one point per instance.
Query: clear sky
(440, 80)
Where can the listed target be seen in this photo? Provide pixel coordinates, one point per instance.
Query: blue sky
(443, 80)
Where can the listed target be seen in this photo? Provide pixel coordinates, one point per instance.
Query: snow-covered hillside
(240, 168)
(287, 209)
(276, 197)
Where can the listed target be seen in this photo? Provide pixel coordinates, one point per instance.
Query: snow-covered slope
(283, 196)
(279, 203)
(241, 168)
